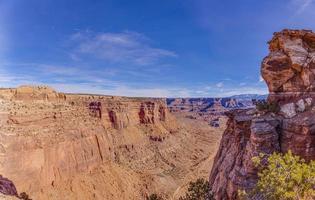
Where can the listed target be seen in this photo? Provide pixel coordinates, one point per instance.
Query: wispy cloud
(220, 84)
(13, 80)
(4, 36)
(58, 70)
(124, 47)
(79, 80)
(301, 5)
(228, 89)
(124, 90)
(242, 90)
(49, 73)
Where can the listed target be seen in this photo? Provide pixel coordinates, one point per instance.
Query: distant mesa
(211, 109)
(36, 93)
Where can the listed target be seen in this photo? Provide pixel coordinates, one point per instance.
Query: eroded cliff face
(289, 74)
(210, 110)
(48, 137)
(69, 146)
(289, 69)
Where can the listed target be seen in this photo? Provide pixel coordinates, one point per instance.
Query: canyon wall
(211, 104)
(289, 71)
(48, 139)
(210, 110)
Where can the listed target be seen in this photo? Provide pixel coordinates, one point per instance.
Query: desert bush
(24, 196)
(284, 177)
(154, 197)
(267, 106)
(198, 190)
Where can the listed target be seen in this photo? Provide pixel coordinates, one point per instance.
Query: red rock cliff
(289, 71)
(47, 138)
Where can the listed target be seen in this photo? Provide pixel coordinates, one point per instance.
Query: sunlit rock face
(49, 138)
(57, 146)
(289, 69)
(31, 93)
(289, 73)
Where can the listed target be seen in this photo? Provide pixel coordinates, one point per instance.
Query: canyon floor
(71, 146)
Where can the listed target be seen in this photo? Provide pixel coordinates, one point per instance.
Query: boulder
(288, 110)
(300, 105)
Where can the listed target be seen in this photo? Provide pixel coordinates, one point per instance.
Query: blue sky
(160, 48)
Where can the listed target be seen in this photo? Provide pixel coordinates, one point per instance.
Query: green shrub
(268, 106)
(198, 190)
(284, 177)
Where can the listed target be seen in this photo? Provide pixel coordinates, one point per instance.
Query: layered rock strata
(289, 69)
(49, 138)
(289, 73)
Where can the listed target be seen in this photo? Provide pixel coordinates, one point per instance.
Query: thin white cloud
(80, 80)
(125, 47)
(29, 73)
(58, 70)
(122, 90)
(5, 9)
(261, 79)
(92, 84)
(243, 90)
(226, 90)
(219, 85)
(301, 5)
(11, 80)
(3, 41)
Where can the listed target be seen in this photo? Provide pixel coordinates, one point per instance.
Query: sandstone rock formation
(289, 74)
(289, 69)
(72, 146)
(31, 93)
(206, 104)
(209, 109)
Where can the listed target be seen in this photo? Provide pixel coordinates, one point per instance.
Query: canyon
(79, 146)
(82, 146)
(289, 71)
(211, 110)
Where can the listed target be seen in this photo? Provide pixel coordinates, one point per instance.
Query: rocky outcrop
(298, 135)
(151, 112)
(289, 69)
(229, 158)
(31, 93)
(289, 74)
(246, 136)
